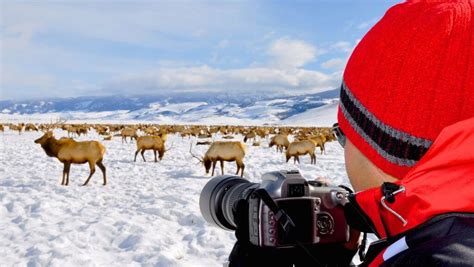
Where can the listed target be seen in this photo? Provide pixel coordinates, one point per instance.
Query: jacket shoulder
(447, 240)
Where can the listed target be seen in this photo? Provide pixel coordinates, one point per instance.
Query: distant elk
(319, 141)
(129, 132)
(18, 127)
(30, 127)
(102, 130)
(2, 129)
(155, 143)
(75, 130)
(223, 151)
(300, 148)
(204, 135)
(68, 151)
(263, 132)
(280, 141)
(250, 136)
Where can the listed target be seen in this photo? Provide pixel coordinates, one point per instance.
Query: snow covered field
(148, 214)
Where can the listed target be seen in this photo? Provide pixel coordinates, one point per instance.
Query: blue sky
(75, 48)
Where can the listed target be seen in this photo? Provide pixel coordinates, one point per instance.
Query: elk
(263, 132)
(130, 132)
(223, 151)
(30, 127)
(81, 130)
(299, 148)
(71, 130)
(101, 130)
(68, 151)
(281, 141)
(251, 135)
(204, 136)
(18, 127)
(330, 136)
(107, 138)
(149, 142)
(319, 141)
(2, 128)
(164, 136)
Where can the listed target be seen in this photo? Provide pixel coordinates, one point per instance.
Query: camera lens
(218, 197)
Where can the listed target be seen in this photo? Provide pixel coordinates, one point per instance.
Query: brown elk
(330, 136)
(82, 130)
(263, 132)
(30, 127)
(164, 136)
(102, 130)
(281, 141)
(223, 151)
(319, 141)
(154, 143)
(129, 132)
(2, 129)
(18, 127)
(299, 148)
(250, 136)
(68, 151)
(71, 130)
(107, 138)
(204, 136)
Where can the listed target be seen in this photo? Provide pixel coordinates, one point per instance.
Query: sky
(85, 48)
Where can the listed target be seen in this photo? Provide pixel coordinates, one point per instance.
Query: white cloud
(335, 64)
(289, 53)
(204, 78)
(146, 24)
(32, 67)
(343, 46)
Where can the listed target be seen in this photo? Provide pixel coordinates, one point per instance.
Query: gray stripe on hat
(380, 151)
(384, 127)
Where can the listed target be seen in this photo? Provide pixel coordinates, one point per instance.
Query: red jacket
(441, 182)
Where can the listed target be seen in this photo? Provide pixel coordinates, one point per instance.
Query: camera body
(316, 210)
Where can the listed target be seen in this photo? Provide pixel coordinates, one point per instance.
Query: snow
(148, 214)
(322, 116)
(177, 108)
(263, 112)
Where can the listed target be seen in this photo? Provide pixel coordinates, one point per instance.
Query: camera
(315, 210)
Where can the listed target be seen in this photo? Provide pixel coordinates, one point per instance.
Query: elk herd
(228, 148)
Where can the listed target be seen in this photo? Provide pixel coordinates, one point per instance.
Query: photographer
(406, 122)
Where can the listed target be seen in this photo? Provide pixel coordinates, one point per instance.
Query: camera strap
(280, 215)
(283, 219)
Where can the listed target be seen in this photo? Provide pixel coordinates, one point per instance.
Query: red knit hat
(409, 77)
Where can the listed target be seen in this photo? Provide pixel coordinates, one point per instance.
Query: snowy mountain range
(190, 107)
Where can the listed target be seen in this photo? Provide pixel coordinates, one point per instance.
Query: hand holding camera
(283, 221)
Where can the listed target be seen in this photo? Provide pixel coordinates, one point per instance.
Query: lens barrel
(218, 197)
